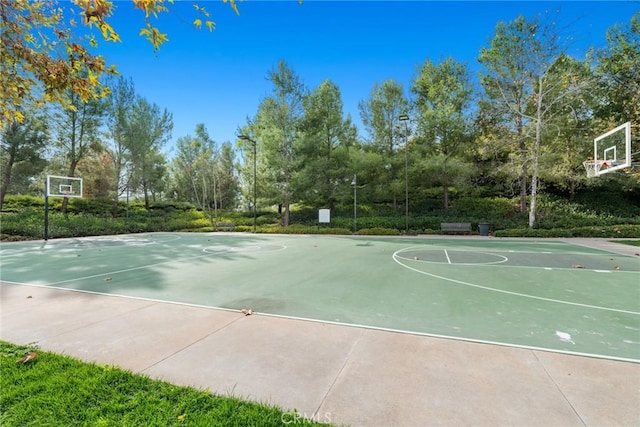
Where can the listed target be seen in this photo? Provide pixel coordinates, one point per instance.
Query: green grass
(629, 242)
(54, 390)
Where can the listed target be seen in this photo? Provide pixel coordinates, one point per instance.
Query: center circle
(448, 256)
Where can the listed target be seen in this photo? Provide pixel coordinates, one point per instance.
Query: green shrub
(429, 231)
(625, 231)
(27, 222)
(630, 242)
(557, 217)
(609, 231)
(333, 230)
(301, 229)
(553, 212)
(533, 232)
(378, 232)
(478, 207)
(605, 201)
(19, 202)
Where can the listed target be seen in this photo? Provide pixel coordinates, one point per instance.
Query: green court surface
(545, 294)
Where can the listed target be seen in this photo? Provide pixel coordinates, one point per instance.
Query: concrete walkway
(341, 374)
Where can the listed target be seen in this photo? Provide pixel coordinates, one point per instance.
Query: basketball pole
(46, 214)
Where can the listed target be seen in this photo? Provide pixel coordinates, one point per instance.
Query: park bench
(456, 227)
(226, 226)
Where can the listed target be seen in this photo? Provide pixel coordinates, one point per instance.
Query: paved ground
(342, 374)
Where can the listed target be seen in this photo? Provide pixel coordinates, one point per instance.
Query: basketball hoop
(593, 167)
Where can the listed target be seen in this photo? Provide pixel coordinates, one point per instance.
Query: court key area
(550, 295)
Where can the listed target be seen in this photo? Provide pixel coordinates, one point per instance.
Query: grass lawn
(629, 242)
(54, 390)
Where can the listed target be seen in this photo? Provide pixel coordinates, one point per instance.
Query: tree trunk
(445, 196)
(285, 219)
(287, 201)
(6, 178)
(534, 190)
(523, 173)
(445, 185)
(572, 189)
(146, 194)
(116, 191)
(536, 154)
(523, 183)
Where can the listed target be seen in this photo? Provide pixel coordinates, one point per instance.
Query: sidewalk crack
(339, 374)
(191, 344)
(575, 411)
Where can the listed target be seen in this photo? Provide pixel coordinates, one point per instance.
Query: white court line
(504, 259)
(447, 255)
(479, 249)
(493, 264)
(460, 282)
(343, 324)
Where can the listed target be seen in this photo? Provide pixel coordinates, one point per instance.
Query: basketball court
(550, 295)
(355, 330)
(362, 330)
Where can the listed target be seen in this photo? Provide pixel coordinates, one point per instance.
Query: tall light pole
(254, 143)
(405, 119)
(354, 182)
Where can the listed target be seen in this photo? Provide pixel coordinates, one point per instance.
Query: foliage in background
(525, 131)
(590, 215)
(276, 126)
(22, 149)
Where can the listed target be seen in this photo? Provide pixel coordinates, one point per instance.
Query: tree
(380, 114)
(619, 70)
(150, 129)
(186, 182)
(227, 180)
(556, 78)
(77, 132)
(119, 108)
(507, 80)
(194, 171)
(277, 127)
(42, 57)
(22, 147)
(323, 152)
(569, 124)
(97, 176)
(443, 98)
(40, 60)
(524, 91)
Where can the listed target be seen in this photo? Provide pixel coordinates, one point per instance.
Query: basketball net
(593, 167)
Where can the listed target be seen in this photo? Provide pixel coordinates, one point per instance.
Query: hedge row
(611, 231)
(23, 217)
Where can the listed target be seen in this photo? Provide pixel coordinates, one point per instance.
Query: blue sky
(218, 78)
